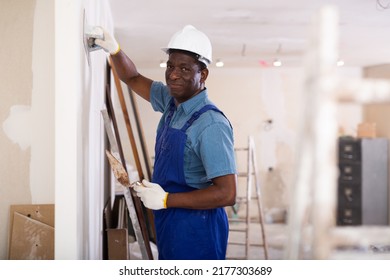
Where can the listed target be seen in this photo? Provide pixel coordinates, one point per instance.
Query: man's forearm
(124, 67)
(222, 193)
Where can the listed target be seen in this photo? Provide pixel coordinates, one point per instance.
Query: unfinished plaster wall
(26, 108)
(51, 136)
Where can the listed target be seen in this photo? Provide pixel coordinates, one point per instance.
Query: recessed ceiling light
(163, 64)
(219, 63)
(340, 63)
(277, 63)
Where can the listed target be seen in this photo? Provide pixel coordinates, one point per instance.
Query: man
(194, 170)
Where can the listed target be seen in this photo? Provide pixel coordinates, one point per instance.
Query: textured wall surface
(16, 28)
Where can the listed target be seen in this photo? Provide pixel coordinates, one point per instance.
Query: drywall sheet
(31, 239)
(42, 213)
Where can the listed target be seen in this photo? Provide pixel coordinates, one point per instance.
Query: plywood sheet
(31, 239)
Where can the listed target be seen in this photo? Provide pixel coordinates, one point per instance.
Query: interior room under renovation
(305, 86)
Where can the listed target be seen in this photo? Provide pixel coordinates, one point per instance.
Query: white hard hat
(193, 40)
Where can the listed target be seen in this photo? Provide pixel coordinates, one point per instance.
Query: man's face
(184, 76)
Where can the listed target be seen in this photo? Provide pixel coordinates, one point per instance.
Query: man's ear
(204, 74)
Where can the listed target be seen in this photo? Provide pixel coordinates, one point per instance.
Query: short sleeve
(159, 96)
(216, 150)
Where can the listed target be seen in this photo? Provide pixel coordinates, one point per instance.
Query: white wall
(26, 110)
(79, 132)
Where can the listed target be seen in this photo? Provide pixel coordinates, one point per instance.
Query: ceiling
(252, 33)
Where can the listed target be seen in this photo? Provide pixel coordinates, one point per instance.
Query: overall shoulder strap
(171, 111)
(197, 114)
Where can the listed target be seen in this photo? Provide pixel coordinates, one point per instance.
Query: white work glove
(152, 195)
(108, 43)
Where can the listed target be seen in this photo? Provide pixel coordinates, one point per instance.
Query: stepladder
(244, 219)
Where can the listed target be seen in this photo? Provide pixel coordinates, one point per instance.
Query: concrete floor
(274, 219)
(274, 226)
(274, 233)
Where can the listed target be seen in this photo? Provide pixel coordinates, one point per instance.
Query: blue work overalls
(184, 233)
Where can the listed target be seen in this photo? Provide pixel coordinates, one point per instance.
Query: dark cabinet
(363, 181)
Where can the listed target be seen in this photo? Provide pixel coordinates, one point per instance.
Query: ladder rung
(242, 244)
(243, 220)
(257, 245)
(238, 230)
(237, 220)
(237, 258)
(237, 243)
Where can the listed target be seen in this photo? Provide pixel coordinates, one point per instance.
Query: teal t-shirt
(209, 151)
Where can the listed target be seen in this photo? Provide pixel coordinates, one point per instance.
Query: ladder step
(237, 243)
(238, 230)
(243, 220)
(237, 220)
(243, 244)
(257, 245)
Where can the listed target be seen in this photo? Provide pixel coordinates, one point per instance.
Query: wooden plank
(31, 239)
(141, 134)
(149, 213)
(128, 124)
(131, 198)
(111, 113)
